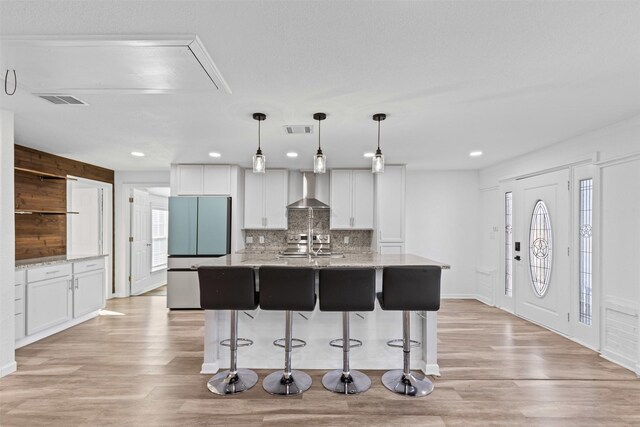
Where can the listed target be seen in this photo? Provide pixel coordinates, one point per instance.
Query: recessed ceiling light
(475, 153)
(214, 154)
(137, 154)
(292, 154)
(368, 155)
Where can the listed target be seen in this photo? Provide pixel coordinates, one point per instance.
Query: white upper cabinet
(198, 180)
(351, 199)
(390, 189)
(265, 199)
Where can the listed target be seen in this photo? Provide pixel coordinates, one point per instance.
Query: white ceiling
(502, 77)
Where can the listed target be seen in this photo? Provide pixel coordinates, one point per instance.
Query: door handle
(76, 283)
(517, 258)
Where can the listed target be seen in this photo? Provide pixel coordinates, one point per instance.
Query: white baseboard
(55, 329)
(431, 369)
(210, 368)
(8, 368)
(459, 296)
(618, 359)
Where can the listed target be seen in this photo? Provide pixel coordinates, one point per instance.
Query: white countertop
(349, 260)
(39, 262)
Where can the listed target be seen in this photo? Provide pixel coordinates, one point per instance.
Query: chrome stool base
(224, 383)
(297, 383)
(356, 382)
(415, 385)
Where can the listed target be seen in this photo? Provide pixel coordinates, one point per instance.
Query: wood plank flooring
(141, 368)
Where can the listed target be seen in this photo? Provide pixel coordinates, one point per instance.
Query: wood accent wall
(46, 235)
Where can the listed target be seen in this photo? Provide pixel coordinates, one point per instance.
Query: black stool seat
(346, 290)
(409, 288)
(230, 288)
(288, 289)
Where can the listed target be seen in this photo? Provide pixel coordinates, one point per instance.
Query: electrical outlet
(249, 239)
(261, 239)
(346, 240)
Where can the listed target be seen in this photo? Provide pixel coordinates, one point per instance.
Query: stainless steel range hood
(308, 194)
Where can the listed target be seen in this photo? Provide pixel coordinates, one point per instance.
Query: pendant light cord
(319, 121)
(259, 134)
(378, 134)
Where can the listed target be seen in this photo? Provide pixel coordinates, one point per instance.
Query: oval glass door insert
(540, 248)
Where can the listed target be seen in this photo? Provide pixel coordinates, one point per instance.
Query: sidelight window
(508, 244)
(159, 238)
(540, 248)
(586, 253)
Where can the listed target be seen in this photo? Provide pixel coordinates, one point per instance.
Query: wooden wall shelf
(32, 211)
(44, 175)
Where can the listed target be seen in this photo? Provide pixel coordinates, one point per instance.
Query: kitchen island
(317, 328)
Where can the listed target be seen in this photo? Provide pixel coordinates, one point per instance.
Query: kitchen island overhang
(317, 328)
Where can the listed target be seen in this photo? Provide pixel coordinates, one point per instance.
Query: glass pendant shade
(377, 162)
(319, 162)
(259, 162)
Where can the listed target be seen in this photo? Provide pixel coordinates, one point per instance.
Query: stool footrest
(295, 342)
(242, 342)
(399, 343)
(352, 343)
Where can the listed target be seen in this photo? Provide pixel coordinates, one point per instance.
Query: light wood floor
(141, 368)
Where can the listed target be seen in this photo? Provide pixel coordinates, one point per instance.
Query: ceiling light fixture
(137, 154)
(319, 160)
(292, 154)
(377, 161)
(259, 161)
(475, 153)
(214, 154)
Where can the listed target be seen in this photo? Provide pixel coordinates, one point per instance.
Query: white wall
(617, 150)
(124, 180)
(7, 246)
(442, 224)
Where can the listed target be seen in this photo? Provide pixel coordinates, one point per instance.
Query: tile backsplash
(275, 240)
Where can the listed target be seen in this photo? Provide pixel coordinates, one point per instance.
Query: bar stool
(409, 288)
(230, 288)
(346, 290)
(288, 289)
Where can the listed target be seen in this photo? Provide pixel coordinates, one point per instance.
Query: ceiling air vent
(61, 99)
(297, 129)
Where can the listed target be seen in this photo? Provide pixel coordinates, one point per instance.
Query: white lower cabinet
(48, 303)
(57, 297)
(88, 292)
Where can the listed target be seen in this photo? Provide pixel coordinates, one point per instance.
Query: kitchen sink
(305, 255)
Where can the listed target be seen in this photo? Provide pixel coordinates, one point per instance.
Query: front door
(541, 279)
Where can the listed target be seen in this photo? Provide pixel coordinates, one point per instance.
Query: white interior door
(140, 240)
(541, 279)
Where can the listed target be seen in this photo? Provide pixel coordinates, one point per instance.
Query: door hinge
(129, 278)
(568, 248)
(130, 199)
(568, 317)
(130, 239)
(569, 185)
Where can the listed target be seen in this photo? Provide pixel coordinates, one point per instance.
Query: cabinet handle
(70, 282)
(76, 283)
(91, 265)
(53, 272)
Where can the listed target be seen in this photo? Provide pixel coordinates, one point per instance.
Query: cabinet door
(391, 248)
(183, 225)
(390, 201)
(213, 225)
(275, 199)
(88, 292)
(341, 200)
(190, 180)
(253, 199)
(217, 180)
(362, 195)
(48, 303)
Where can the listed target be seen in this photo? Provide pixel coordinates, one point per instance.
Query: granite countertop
(349, 260)
(39, 262)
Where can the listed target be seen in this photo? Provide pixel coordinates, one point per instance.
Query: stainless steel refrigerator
(199, 230)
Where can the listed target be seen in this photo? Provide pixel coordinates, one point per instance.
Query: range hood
(308, 200)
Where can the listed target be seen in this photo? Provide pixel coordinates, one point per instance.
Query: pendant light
(259, 161)
(377, 161)
(319, 160)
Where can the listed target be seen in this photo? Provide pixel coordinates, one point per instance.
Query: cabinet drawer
(19, 292)
(49, 272)
(90, 265)
(19, 325)
(20, 277)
